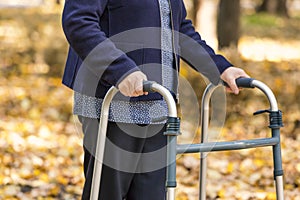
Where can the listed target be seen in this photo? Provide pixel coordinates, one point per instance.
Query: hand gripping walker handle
(243, 82)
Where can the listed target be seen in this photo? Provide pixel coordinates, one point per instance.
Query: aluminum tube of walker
(204, 137)
(99, 151)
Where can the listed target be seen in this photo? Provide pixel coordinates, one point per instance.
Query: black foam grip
(147, 86)
(243, 82)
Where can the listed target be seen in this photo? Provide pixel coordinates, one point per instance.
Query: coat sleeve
(81, 25)
(197, 53)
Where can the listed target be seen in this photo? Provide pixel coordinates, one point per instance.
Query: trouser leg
(114, 183)
(149, 182)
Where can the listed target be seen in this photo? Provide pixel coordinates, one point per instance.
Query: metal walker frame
(172, 131)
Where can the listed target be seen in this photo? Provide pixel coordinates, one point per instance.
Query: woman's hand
(230, 75)
(132, 85)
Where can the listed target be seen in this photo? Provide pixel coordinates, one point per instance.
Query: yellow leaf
(181, 196)
(271, 196)
(230, 167)
(44, 177)
(62, 180)
(55, 190)
(1, 180)
(259, 162)
(34, 113)
(221, 193)
(36, 172)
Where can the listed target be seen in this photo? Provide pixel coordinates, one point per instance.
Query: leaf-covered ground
(40, 149)
(40, 141)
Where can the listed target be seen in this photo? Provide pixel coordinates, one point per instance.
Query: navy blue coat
(111, 38)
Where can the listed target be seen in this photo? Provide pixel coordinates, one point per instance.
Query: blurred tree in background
(274, 6)
(228, 23)
(194, 12)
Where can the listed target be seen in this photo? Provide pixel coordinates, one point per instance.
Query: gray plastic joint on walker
(173, 126)
(278, 173)
(171, 184)
(275, 118)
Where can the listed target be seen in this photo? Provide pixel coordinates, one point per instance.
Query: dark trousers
(134, 161)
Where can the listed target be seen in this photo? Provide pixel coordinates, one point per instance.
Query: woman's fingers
(132, 85)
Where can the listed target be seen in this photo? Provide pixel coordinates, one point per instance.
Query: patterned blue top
(140, 112)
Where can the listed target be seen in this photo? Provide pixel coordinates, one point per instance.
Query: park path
(20, 3)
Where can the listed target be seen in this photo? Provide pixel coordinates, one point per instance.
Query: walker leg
(171, 167)
(279, 187)
(203, 168)
(172, 131)
(100, 144)
(99, 155)
(204, 138)
(170, 193)
(278, 171)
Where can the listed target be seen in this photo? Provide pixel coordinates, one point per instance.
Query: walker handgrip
(147, 86)
(243, 82)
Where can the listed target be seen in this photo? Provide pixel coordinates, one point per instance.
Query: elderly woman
(122, 43)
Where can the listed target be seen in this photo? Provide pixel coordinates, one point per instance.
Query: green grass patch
(263, 20)
(267, 25)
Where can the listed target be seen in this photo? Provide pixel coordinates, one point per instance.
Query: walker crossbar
(225, 146)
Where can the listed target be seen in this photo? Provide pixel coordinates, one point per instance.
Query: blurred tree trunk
(267, 6)
(278, 7)
(228, 23)
(196, 8)
(282, 8)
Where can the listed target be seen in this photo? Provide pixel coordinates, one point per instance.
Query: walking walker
(172, 131)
